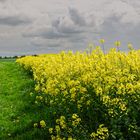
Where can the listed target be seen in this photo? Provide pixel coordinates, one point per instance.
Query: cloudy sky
(49, 26)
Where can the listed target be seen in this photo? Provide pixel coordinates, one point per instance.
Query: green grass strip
(17, 108)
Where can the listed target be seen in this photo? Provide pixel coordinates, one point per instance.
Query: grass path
(17, 111)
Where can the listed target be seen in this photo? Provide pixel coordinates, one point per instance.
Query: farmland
(88, 95)
(71, 96)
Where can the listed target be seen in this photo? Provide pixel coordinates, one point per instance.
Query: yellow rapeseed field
(88, 95)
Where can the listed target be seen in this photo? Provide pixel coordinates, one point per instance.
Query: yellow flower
(72, 79)
(42, 124)
(102, 133)
(88, 102)
(50, 130)
(31, 93)
(39, 97)
(35, 125)
(70, 138)
(93, 135)
(130, 46)
(57, 121)
(76, 120)
(74, 116)
(62, 118)
(123, 107)
(57, 128)
(102, 41)
(117, 43)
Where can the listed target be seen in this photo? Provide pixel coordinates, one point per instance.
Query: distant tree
(15, 56)
(22, 56)
(35, 55)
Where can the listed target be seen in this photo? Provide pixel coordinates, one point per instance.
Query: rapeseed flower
(73, 84)
(42, 124)
(102, 41)
(35, 124)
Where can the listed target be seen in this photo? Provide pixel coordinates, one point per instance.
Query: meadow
(72, 96)
(17, 109)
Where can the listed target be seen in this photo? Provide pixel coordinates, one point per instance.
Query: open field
(71, 96)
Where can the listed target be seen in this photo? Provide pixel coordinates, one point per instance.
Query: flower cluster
(82, 91)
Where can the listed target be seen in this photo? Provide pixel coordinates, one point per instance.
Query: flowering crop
(88, 96)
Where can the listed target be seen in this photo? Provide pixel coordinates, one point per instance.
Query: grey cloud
(47, 43)
(126, 11)
(77, 38)
(14, 20)
(65, 25)
(3, 0)
(48, 33)
(60, 28)
(51, 34)
(76, 17)
(113, 30)
(72, 28)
